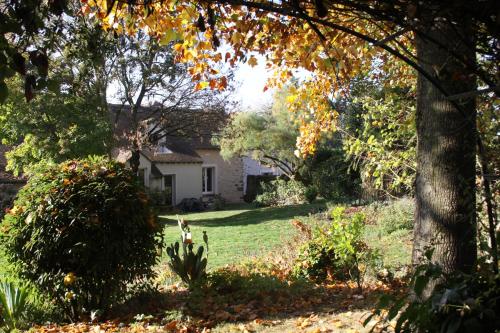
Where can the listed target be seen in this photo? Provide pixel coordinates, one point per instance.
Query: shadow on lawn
(246, 298)
(253, 216)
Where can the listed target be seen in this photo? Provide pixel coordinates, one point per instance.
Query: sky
(250, 83)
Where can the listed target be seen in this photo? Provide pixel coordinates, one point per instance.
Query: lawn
(240, 231)
(395, 247)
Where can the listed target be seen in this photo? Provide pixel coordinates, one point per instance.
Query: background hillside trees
(85, 68)
(270, 137)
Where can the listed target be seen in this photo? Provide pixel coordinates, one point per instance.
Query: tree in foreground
(81, 231)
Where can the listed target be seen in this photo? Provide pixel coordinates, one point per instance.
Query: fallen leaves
(327, 308)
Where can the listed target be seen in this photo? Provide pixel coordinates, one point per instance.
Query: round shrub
(315, 262)
(281, 192)
(82, 230)
(337, 251)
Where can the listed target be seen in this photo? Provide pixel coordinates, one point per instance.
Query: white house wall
(187, 179)
(145, 164)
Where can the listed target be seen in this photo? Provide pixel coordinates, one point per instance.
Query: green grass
(240, 231)
(394, 247)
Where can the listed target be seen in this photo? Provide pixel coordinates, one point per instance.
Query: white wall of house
(187, 179)
(228, 174)
(145, 164)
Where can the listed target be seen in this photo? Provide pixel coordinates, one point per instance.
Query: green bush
(190, 266)
(396, 215)
(311, 193)
(332, 176)
(81, 231)
(219, 202)
(315, 262)
(281, 192)
(337, 252)
(13, 305)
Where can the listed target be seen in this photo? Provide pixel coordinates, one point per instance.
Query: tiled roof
(182, 143)
(179, 151)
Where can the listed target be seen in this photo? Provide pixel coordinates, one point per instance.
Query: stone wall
(229, 174)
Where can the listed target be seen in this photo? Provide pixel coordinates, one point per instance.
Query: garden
(83, 249)
(242, 268)
(249, 166)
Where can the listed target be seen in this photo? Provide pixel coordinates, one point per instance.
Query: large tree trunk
(445, 218)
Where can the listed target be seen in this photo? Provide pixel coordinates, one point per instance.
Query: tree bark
(445, 216)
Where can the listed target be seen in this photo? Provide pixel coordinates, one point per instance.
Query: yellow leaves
(201, 85)
(292, 98)
(303, 323)
(68, 296)
(204, 46)
(337, 323)
(69, 279)
(245, 328)
(190, 54)
(178, 47)
(252, 61)
(237, 38)
(169, 36)
(16, 210)
(288, 43)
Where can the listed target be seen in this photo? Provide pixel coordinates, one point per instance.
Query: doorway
(169, 189)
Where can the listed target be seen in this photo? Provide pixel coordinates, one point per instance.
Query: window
(208, 179)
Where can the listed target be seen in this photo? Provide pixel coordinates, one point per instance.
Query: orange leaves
(219, 84)
(171, 326)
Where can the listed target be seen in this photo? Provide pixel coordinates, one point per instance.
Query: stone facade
(228, 174)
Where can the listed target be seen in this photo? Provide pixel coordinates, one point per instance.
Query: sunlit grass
(240, 231)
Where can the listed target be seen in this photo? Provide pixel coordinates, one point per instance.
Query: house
(184, 168)
(183, 164)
